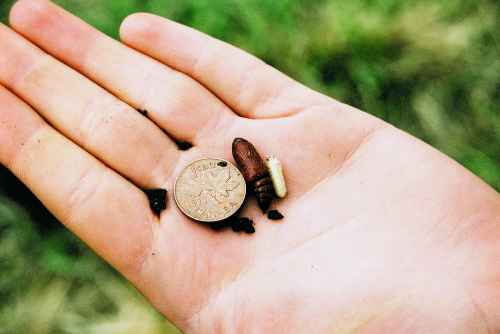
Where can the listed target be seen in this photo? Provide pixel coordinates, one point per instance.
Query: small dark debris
(219, 225)
(237, 224)
(143, 112)
(274, 215)
(184, 145)
(243, 224)
(222, 164)
(157, 199)
(248, 228)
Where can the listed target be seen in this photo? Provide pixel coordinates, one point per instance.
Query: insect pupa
(254, 172)
(278, 178)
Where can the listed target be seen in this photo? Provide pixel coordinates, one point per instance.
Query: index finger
(174, 101)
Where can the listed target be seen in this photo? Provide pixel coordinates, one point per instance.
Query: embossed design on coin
(209, 191)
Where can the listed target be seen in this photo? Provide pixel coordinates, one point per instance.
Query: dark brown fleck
(143, 112)
(217, 226)
(275, 215)
(222, 164)
(242, 224)
(157, 199)
(184, 145)
(236, 226)
(248, 228)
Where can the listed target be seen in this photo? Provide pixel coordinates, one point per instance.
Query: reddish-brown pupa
(254, 172)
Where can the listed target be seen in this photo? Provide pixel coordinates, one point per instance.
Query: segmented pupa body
(254, 172)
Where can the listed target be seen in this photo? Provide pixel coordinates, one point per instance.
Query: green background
(431, 68)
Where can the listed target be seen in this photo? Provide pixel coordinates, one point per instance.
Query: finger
(96, 120)
(99, 206)
(248, 85)
(177, 103)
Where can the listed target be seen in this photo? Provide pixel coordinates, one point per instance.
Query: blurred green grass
(431, 68)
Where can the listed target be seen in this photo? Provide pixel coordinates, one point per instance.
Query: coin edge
(208, 221)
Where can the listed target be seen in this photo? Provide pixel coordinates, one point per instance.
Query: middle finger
(106, 127)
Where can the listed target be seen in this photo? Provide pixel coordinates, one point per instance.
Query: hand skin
(383, 234)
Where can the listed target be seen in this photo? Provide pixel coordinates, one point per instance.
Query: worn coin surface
(210, 190)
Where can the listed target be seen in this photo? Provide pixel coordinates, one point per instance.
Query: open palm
(382, 233)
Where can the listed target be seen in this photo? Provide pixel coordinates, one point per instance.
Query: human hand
(382, 234)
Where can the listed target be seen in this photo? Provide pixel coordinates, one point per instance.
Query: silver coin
(210, 190)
